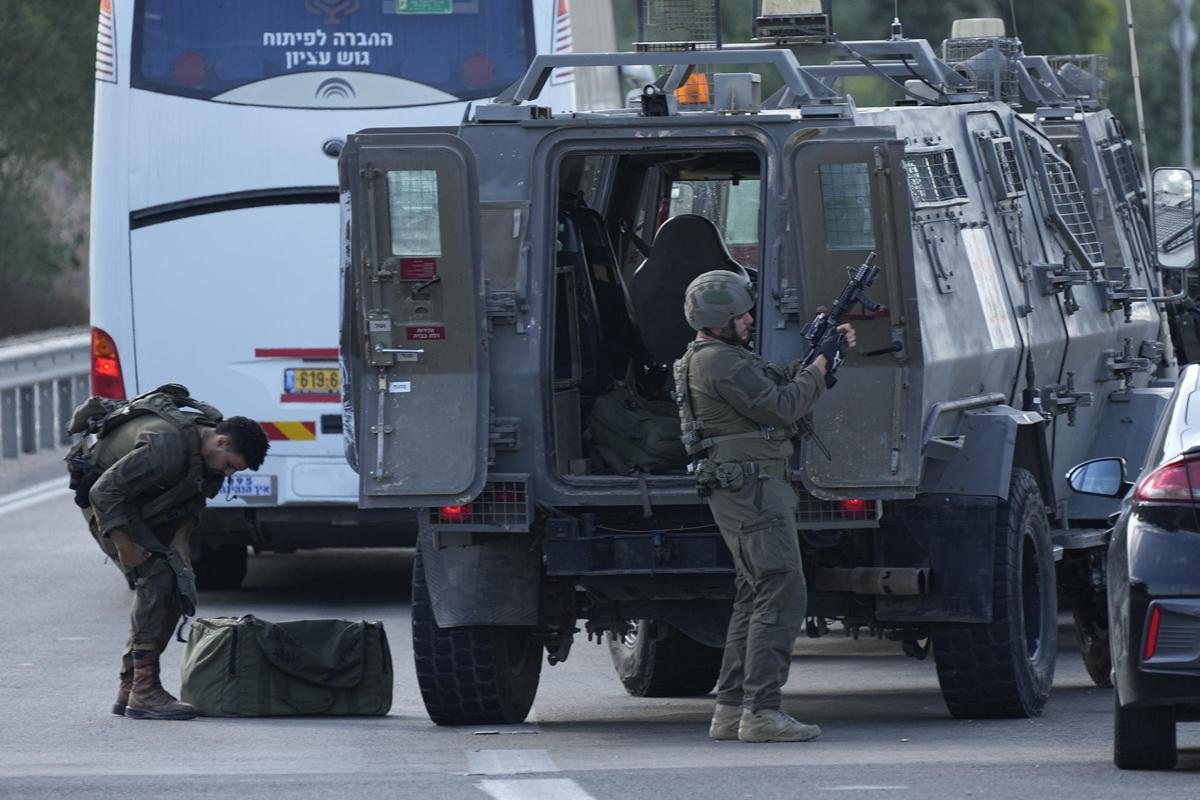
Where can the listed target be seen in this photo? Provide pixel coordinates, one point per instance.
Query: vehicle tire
(1143, 738)
(483, 675)
(666, 663)
(1091, 628)
(1003, 669)
(220, 568)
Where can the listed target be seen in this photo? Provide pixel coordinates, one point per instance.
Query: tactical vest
(97, 417)
(691, 428)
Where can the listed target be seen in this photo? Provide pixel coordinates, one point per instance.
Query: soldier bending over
(152, 475)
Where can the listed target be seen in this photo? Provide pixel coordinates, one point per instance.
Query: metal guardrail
(41, 382)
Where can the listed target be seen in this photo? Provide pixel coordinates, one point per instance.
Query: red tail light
(1175, 482)
(1152, 634)
(106, 51)
(456, 513)
(107, 380)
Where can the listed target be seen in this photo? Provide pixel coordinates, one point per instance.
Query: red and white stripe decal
(563, 41)
(290, 431)
(328, 397)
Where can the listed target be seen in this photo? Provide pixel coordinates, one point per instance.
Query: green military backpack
(248, 667)
(635, 434)
(97, 417)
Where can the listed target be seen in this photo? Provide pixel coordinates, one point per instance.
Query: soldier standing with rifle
(739, 414)
(141, 486)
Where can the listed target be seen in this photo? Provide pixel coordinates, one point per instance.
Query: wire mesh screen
(1072, 210)
(1006, 155)
(679, 25)
(989, 64)
(846, 206)
(1174, 227)
(413, 212)
(502, 505)
(1083, 76)
(934, 179)
(1122, 170)
(814, 514)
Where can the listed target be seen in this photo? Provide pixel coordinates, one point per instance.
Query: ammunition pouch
(730, 475)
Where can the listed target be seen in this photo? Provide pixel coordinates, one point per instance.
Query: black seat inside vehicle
(578, 318)
(684, 248)
(624, 343)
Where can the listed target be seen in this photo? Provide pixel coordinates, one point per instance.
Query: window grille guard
(934, 178)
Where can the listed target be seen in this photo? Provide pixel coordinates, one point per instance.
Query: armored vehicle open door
(413, 339)
(861, 207)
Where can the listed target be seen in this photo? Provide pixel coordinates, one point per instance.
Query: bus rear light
(106, 51)
(190, 70)
(107, 380)
(1152, 634)
(1175, 482)
(478, 70)
(460, 514)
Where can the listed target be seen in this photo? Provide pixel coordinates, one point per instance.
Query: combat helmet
(715, 298)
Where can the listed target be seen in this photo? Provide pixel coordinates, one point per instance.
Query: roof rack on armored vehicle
(973, 69)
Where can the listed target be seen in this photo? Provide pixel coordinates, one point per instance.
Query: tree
(47, 53)
(1159, 68)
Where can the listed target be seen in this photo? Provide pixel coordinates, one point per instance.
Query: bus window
(210, 50)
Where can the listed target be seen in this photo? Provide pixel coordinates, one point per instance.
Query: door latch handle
(381, 349)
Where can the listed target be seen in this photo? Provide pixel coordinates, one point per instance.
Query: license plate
(312, 380)
(247, 486)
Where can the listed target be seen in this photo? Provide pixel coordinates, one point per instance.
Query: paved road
(887, 732)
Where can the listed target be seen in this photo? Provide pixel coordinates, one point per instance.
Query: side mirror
(1101, 476)
(1173, 218)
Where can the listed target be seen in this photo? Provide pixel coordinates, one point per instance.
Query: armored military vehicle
(513, 302)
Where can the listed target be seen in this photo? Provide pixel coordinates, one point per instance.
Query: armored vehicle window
(1003, 170)
(934, 179)
(1066, 204)
(731, 205)
(846, 206)
(1122, 172)
(413, 212)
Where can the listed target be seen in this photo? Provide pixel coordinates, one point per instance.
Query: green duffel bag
(635, 434)
(248, 667)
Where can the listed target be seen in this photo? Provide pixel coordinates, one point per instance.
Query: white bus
(214, 215)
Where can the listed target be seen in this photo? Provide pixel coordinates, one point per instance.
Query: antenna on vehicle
(1012, 14)
(897, 27)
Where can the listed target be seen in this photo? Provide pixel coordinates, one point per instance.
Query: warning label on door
(426, 333)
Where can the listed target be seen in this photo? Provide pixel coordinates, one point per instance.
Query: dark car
(1154, 583)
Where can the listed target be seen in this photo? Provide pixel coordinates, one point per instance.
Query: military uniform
(146, 461)
(748, 410)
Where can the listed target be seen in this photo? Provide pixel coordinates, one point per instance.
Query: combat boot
(148, 699)
(724, 725)
(773, 725)
(122, 700)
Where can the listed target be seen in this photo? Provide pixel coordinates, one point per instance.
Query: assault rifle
(815, 332)
(853, 294)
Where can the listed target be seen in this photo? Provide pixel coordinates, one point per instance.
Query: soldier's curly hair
(247, 439)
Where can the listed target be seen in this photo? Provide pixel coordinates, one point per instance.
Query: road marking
(73, 638)
(509, 762)
(540, 789)
(32, 495)
(863, 788)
